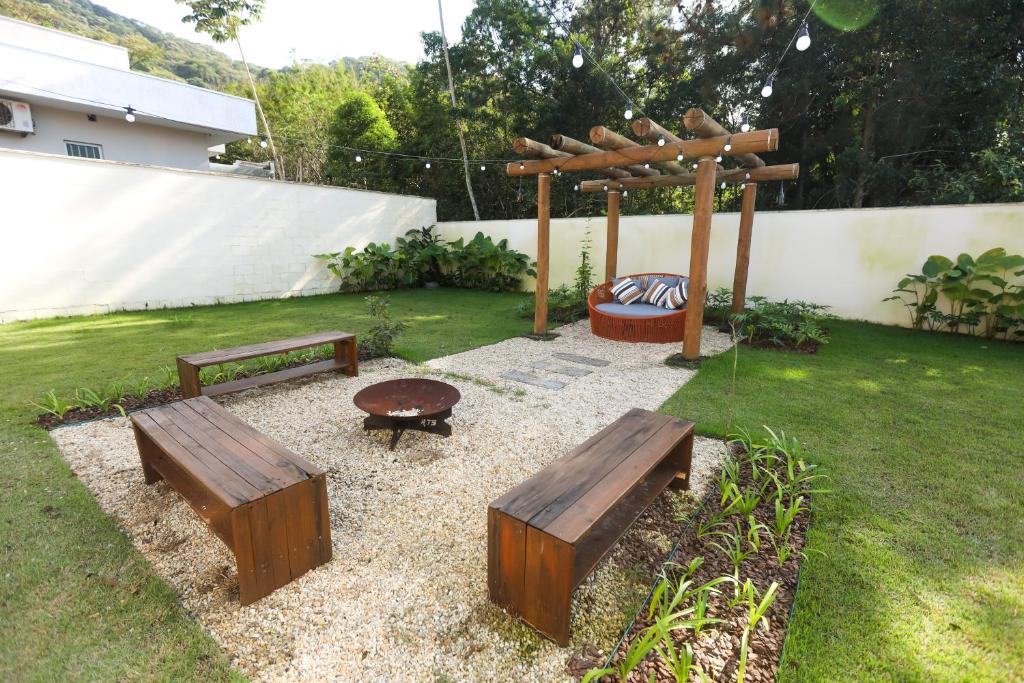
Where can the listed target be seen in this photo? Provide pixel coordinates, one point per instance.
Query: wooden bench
(267, 504)
(346, 359)
(547, 534)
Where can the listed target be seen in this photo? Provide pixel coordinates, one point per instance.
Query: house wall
(85, 236)
(137, 142)
(847, 259)
(42, 39)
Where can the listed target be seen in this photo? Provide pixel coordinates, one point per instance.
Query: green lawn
(76, 601)
(920, 575)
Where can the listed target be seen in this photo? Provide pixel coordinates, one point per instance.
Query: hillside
(152, 50)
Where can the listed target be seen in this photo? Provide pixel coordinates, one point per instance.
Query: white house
(64, 94)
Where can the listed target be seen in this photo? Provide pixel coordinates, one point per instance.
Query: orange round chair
(653, 328)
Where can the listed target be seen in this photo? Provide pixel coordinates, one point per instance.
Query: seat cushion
(633, 310)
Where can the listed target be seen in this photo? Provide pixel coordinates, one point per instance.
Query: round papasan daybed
(636, 322)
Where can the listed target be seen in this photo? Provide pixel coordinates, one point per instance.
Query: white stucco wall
(138, 142)
(847, 259)
(86, 236)
(42, 39)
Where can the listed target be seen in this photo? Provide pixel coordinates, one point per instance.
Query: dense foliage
(421, 257)
(784, 324)
(983, 296)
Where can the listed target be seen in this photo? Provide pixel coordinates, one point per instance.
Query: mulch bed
(717, 648)
(153, 398)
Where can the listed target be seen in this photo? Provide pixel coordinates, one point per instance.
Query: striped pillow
(656, 294)
(676, 296)
(627, 292)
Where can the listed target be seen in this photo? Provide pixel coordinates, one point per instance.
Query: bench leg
(188, 378)
(349, 352)
(683, 457)
(548, 585)
(147, 453)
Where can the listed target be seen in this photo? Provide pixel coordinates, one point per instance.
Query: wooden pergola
(630, 165)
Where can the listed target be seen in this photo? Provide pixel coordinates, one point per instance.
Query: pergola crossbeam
(564, 143)
(742, 143)
(539, 150)
(608, 139)
(700, 124)
(732, 176)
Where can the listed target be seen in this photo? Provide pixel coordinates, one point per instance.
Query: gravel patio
(405, 597)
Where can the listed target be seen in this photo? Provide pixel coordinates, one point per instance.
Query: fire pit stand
(402, 404)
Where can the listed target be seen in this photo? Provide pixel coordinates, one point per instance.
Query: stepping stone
(560, 369)
(527, 378)
(596, 362)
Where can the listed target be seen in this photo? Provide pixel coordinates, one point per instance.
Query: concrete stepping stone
(559, 369)
(584, 360)
(527, 378)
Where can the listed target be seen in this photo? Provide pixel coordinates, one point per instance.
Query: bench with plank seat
(346, 359)
(547, 534)
(267, 504)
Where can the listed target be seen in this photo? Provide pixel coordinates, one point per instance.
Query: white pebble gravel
(405, 597)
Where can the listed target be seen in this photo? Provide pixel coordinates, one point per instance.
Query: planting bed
(716, 647)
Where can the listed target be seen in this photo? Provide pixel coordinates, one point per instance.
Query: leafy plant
(485, 264)
(782, 323)
(757, 607)
(380, 339)
(54, 405)
(88, 398)
(717, 306)
(636, 653)
(141, 387)
(169, 377)
(981, 294)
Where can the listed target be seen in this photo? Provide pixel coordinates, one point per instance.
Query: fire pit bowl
(401, 404)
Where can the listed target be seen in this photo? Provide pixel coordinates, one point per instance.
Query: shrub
(984, 295)
(568, 304)
(422, 256)
(795, 324)
(380, 340)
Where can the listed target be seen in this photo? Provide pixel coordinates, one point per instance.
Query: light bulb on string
(359, 158)
(728, 144)
(129, 115)
(605, 188)
(629, 110)
(647, 165)
(718, 159)
(695, 167)
(803, 39)
(745, 126)
(576, 187)
(483, 167)
(679, 157)
(522, 166)
(746, 176)
(768, 88)
(661, 141)
(263, 142)
(577, 56)
(426, 165)
(722, 185)
(625, 193)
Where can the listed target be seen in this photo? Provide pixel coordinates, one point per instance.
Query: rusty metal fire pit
(401, 404)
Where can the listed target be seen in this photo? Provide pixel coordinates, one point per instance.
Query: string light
(679, 157)
(522, 166)
(695, 166)
(625, 193)
(130, 115)
(426, 165)
(661, 141)
(263, 142)
(629, 110)
(577, 56)
(746, 176)
(647, 165)
(359, 159)
(766, 91)
(576, 187)
(483, 167)
(605, 188)
(803, 39)
(728, 144)
(718, 159)
(722, 185)
(745, 126)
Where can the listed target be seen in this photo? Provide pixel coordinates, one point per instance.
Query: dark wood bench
(547, 534)
(346, 359)
(267, 504)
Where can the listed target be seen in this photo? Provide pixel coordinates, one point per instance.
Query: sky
(318, 30)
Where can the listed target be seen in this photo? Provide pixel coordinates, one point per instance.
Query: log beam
(564, 143)
(540, 313)
(739, 281)
(611, 257)
(538, 150)
(732, 176)
(700, 242)
(609, 139)
(703, 126)
(742, 143)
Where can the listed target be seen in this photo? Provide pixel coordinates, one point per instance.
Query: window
(85, 150)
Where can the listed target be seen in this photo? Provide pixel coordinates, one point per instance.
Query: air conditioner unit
(16, 117)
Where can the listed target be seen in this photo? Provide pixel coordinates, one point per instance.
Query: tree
(359, 125)
(221, 20)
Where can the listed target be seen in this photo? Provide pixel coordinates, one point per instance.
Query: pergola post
(739, 282)
(540, 314)
(700, 243)
(611, 258)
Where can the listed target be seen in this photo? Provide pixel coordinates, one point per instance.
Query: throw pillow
(676, 296)
(627, 292)
(656, 294)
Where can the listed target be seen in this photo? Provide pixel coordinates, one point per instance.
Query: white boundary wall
(84, 236)
(847, 259)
